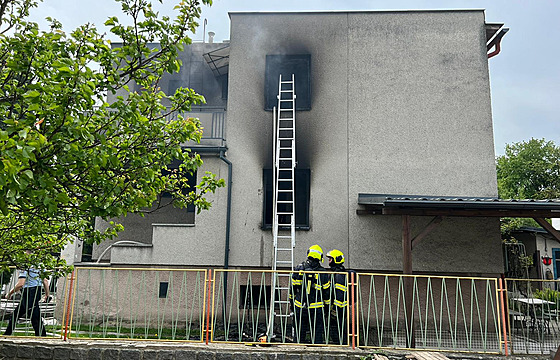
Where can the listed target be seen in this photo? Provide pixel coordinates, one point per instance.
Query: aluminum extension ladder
(283, 215)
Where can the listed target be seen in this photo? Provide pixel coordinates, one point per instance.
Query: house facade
(391, 102)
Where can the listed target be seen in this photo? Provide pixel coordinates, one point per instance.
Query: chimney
(211, 37)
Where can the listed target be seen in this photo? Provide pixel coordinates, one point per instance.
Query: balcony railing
(213, 122)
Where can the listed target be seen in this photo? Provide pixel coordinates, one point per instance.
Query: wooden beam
(428, 229)
(548, 227)
(471, 213)
(407, 270)
(407, 245)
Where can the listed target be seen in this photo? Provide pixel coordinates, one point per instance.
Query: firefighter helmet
(336, 255)
(315, 252)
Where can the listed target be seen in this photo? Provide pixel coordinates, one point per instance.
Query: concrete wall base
(48, 349)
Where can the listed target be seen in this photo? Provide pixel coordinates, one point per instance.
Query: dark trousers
(338, 326)
(309, 321)
(28, 306)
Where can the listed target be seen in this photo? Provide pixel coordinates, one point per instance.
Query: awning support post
(407, 270)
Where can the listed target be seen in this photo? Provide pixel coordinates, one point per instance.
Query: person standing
(310, 293)
(339, 295)
(30, 281)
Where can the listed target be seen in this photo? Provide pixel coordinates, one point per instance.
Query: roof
(391, 204)
(311, 12)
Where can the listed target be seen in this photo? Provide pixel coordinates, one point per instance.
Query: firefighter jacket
(339, 292)
(310, 290)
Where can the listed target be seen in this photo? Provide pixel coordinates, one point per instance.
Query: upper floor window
(300, 66)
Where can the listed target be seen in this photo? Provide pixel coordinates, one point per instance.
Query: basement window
(300, 66)
(302, 192)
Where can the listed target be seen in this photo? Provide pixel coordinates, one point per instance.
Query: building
(389, 102)
(543, 248)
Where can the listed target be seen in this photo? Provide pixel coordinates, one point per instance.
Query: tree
(67, 155)
(528, 170)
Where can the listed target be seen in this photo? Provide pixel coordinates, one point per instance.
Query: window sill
(298, 227)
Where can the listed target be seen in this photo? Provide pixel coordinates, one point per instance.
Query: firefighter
(310, 294)
(339, 297)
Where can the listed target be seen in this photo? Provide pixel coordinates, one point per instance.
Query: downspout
(228, 212)
(228, 224)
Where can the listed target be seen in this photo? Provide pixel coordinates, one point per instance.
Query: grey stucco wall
(175, 242)
(400, 104)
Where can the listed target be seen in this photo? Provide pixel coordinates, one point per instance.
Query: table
(537, 319)
(533, 301)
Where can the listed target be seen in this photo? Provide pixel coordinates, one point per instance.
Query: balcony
(213, 122)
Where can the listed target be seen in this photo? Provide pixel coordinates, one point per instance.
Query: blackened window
(300, 66)
(302, 187)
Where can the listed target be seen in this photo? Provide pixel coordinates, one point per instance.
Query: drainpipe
(228, 213)
(228, 224)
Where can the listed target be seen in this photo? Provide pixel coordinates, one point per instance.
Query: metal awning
(218, 60)
(418, 205)
(441, 207)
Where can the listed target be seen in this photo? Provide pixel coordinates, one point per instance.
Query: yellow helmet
(315, 252)
(337, 256)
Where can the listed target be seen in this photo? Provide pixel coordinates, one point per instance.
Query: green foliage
(548, 295)
(67, 154)
(528, 170)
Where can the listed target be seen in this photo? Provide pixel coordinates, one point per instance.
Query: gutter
(496, 41)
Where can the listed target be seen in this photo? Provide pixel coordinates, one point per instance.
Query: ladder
(283, 213)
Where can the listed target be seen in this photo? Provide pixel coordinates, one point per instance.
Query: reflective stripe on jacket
(310, 289)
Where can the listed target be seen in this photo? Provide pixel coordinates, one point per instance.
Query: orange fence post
(501, 291)
(208, 306)
(68, 305)
(352, 298)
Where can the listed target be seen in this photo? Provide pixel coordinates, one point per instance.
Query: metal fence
(139, 304)
(533, 315)
(429, 312)
(20, 311)
(245, 310)
(446, 313)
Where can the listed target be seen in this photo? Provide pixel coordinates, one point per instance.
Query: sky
(524, 77)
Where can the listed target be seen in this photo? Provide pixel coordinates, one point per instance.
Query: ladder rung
(282, 315)
(284, 202)
(284, 249)
(283, 261)
(284, 213)
(286, 191)
(284, 237)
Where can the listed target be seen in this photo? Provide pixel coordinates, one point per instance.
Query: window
(302, 187)
(163, 287)
(556, 259)
(256, 296)
(300, 66)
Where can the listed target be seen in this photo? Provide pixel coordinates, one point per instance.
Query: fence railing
(533, 315)
(466, 314)
(28, 312)
(301, 311)
(446, 313)
(139, 304)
